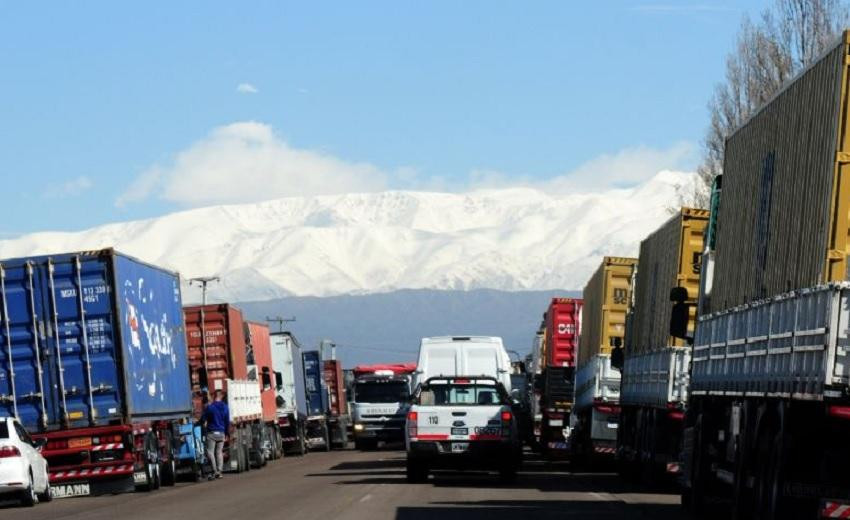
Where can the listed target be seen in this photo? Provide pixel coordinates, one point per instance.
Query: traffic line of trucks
(110, 374)
(720, 356)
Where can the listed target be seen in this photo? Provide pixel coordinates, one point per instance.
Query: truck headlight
(358, 427)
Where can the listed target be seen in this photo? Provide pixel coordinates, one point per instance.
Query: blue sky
(115, 112)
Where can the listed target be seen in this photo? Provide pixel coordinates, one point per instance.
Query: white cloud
(624, 168)
(247, 162)
(246, 88)
(70, 188)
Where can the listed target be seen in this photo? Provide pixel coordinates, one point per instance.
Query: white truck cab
(463, 355)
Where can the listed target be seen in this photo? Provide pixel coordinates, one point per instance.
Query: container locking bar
(8, 342)
(84, 326)
(62, 392)
(37, 332)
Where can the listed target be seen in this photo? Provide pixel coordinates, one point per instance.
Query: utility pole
(280, 320)
(203, 281)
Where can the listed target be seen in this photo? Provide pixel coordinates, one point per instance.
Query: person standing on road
(217, 420)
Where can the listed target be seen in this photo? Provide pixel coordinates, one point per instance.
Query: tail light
(9, 451)
(412, 426)
(506, 423)
(840, 412)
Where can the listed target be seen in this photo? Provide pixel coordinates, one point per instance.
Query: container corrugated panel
(286, 359)
(563, 326)
(606, 300)
(260, 345)
(783, 218)
(314, 383)
(669, 257)
(62, 314)
(656, 378)
(222, 356)
(332, 374)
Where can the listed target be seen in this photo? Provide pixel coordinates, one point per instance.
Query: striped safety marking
(113, 446)
(835, 510)
(604, 449)
(93, 472)
(673, 467)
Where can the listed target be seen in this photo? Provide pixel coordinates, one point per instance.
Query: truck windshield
(381, 392)
(452, 394)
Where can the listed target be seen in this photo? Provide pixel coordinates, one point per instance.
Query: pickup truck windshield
(453, 394)
(381, 392)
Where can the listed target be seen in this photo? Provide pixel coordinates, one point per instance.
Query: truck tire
(302, 442)
(769, 482)
(236, 452)
(327, 432)
(417, 471)
(151, 464)
(169, 467)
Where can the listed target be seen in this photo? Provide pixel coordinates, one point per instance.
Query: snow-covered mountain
(508, 239)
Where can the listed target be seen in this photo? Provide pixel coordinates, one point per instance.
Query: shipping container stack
(555, 383)
(107, 386)
(597, 407)
(218, 358)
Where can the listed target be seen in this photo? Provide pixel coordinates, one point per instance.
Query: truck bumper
(382, 434)
(479, 455)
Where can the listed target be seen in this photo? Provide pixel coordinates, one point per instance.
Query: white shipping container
(656, 378)
(244, 401)
(597, 381)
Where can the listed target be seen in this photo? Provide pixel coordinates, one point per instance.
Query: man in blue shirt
(217, 420)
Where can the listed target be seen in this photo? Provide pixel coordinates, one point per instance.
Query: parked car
(23, 471)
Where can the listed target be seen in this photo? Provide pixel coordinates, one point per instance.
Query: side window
(22, 433)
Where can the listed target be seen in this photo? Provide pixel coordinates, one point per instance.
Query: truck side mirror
(618, 358)
(680, 314)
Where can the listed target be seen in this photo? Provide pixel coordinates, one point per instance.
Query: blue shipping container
(314, 383)
(90, 339)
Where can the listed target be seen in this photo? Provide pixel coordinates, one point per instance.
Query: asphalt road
(371, 485)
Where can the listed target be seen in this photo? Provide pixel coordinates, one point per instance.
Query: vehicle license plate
(460, 447)
(460, 431)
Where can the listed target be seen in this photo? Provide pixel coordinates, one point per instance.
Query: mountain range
(511, 239)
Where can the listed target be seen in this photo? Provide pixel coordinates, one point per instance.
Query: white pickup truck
(462, 423)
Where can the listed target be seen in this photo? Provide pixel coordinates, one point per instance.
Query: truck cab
(380, 405)
(462, 423)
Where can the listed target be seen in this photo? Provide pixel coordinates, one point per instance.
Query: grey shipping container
(783, 219)
(669, 257)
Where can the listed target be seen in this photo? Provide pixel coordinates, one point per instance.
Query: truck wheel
(151, 457)
(327, 438)
(769, 484)
(169, 468)
(236, 452)
(302, 442)
(693, 498)
(417, 471)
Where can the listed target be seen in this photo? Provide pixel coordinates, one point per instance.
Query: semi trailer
(291, 398)
(94, 364)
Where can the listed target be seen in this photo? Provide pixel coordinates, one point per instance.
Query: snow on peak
(508, 239)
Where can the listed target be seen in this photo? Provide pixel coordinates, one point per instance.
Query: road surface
(371, 485)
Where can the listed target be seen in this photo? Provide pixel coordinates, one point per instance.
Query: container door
(24, 383)
(81, 338)
(317, 398)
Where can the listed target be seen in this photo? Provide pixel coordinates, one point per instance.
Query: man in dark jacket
(217, 420)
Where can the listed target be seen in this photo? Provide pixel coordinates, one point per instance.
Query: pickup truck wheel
(28, 497)
(46, 495)
(417, 471)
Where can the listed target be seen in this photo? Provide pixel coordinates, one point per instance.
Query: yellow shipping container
(606, 300)
(669, 257)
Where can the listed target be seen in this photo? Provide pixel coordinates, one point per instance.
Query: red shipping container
(259, 344)
(398, 369)
(221, 356)
(563, 327)
(336, 388)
